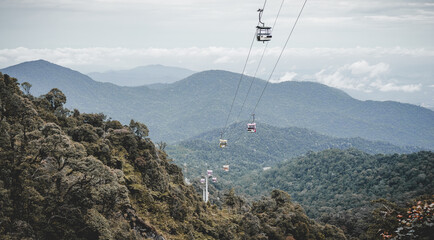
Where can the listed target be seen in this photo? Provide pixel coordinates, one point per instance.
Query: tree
(94, 119)
(162, 145)
(73, 184)
(139, 129)
(8, 89)
(55, 99)
(384, 219)
(26, 87)
(28, 118)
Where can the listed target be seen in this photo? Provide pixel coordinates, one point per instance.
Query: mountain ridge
(142, 75)
(201, 102)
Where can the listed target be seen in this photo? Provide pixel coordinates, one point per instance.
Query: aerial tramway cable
(278, 59)
(239, 82)
(262, 93)
(259, 64)
(238, 87)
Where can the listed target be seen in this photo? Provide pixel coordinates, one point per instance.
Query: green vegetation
(415, 221)
(337, 186)
(71, 175)
(334, 186)
(201, 103)
(247, 152)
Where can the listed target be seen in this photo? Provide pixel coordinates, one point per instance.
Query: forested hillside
(267, 147)
(341, 183)
(71, 175)
(201, 103)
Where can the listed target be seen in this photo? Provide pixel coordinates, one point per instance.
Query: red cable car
(251, 127)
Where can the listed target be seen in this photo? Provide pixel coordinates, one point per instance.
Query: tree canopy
(71, 175)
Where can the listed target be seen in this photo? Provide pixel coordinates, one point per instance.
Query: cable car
(209, 172)
(223, 143)
(214, 179)
(251, 127)
(226, 168)
(202, 180)
(263, 33)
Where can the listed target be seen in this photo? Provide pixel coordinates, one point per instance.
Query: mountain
(143, 75)
(201, 102)
(251, 152)
(44, 76)
(78, 176)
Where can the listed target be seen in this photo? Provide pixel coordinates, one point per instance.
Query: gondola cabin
(226, 168)
(251, 127)
(214, 179)
(263, 33)
(223, 143)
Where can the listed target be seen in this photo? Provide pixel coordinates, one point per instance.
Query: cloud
(426, 105)
(356, 75)
(363, 67)
(84, 59)
(117, 5)
(362, 76)
(289, 76)
(392, 87)
(95, 54)
(337, 79)
(224, 59)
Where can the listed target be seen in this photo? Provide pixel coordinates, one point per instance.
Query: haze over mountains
(143, 75)
(269, 146)
(201, 102)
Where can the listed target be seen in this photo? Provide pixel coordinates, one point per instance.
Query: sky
(377, 50)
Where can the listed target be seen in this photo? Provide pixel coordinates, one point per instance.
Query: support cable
(278, 59)
(259, 64)
(239, 82)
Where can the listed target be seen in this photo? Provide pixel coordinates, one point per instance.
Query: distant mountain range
(201, 102)
(142, 75)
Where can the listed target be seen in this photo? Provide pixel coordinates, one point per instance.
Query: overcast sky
(380, 50)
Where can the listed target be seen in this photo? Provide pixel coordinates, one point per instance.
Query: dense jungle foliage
(334, 186)
(337, 186)
(71, 175)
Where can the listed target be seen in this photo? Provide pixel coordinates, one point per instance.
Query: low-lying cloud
(362, 76)
(288, 76)
(208, 57)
